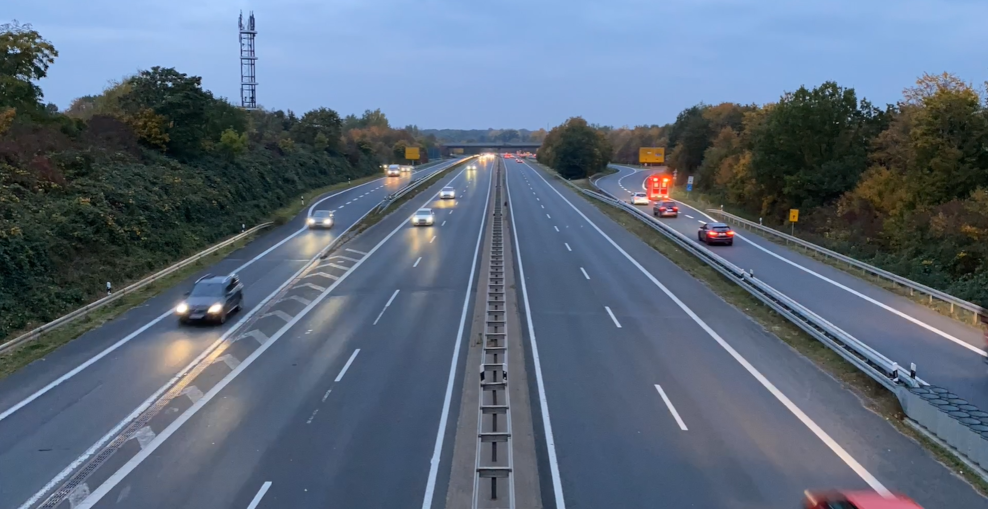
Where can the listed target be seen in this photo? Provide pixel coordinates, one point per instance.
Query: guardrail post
(109, 288)
(912, 370)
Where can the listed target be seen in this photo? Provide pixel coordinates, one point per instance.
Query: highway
(946, 352)
(344, 397)
(56, 412)
(659, 394)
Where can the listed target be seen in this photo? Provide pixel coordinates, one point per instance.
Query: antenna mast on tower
(248, 80)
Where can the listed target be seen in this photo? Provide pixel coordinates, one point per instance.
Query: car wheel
(183, 321)
(654, 213)
(222, 318)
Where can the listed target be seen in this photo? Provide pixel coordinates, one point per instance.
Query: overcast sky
(514, 63)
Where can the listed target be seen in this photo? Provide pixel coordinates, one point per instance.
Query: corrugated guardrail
(412, 185)
(941, 415)
(85, 310)
(913, 286)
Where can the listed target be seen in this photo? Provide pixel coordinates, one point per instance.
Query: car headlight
(215, 308)
(327, 221)
(182, 308)
(311, 221)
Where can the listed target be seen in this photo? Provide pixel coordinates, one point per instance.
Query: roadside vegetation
(902, 186)
(145, 173)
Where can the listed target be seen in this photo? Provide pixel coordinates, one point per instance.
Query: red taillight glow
(730, 234)
(676, 209)
(711, 234)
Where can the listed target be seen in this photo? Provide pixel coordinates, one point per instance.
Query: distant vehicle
(406, 168)
(423, 217)
(471, 167)
(508, 156)
(857, 500)
(321, 219)
(716, 233)
(447, 193)
(212, 298)
(665, 209)
(519, 161)
(639, 199)
(394, 170)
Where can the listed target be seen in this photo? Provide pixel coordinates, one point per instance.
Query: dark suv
(665, 208)
(212, 298)
(716, 233)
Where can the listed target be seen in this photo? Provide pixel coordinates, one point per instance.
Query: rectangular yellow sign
(793, 215)
(412, 153)
(652, 155)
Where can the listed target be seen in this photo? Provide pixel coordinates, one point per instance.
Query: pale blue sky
(514, 63)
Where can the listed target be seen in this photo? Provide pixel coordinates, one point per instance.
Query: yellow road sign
(652, 155)
(793, 215)
(412, 153)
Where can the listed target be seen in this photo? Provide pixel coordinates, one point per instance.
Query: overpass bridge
(499, 147)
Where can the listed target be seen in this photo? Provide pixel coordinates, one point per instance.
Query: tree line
(152, 169)
(903, 186)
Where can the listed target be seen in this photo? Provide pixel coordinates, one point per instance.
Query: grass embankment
(874, 396)
(702, 202)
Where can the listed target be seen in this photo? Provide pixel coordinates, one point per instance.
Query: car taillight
(662, 209)
(711, 233)
(730, 234)
(676, 209)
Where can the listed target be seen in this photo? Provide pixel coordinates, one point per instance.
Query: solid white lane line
(437, 451)
(878, 303)
(585, 274)
(444, 223)
(416, 264)
(672, 409)
(556, 227)
(347, 365)
(432, 239)
(567, 247)
(260, 495)
(550, 441)
(393, 295)
(135, 461)
(614, 318)
(769, 386)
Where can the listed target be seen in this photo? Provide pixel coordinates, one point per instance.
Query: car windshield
(322, 214)
(424, 212)
(639, 195)
(210, 289)
(722, 228)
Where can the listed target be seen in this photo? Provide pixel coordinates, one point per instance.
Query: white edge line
(131, 464)
(672, 409)
(347, 365)
(782, 398)
(67, 471)
(613, 318)
(260, 495)
(92, 360)
(550, 441)
(856, 293)
(437, 451)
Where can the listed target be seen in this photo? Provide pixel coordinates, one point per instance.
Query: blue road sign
(689, 187)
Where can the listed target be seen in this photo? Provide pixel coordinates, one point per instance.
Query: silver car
(321, 219)
(423, 217)
(447, 193)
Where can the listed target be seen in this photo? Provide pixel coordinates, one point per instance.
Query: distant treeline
(485, 135)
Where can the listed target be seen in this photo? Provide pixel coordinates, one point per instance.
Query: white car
(423, 217)
(447, 193)
(639, 199)
(321, 219)
(394, 170)
(406, 168)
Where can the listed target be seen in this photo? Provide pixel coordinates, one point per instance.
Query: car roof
(211, 279)
(447, 187)
(717, 225)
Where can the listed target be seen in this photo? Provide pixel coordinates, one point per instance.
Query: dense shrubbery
(904, 186)
(576, 150)
(151, 170)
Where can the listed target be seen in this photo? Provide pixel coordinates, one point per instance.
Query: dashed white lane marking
(584, 273)
(433, 238)
(444, 223)
(543, 206)
(689, 216)
(614, 318)
(547, 215)
(567, 247)
(393, 295)
(347, 365)
(556, 227)
(326, 396)
(416, 264)
(260, 494)
(672, 409)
